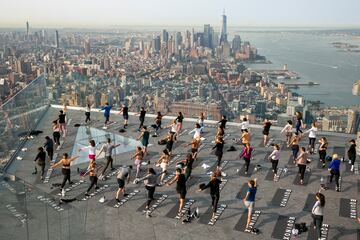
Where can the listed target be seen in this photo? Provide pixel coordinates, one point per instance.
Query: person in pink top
(246, 155)
(92, 150)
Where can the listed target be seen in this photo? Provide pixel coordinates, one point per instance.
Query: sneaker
(118, 200)
(126, 194)
(352, 168)
(97, 187)
(71, 183)
(112, 169)
(87, 194)
(63, 192)
(148, 215)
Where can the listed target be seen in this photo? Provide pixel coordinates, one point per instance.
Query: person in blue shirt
(249, 199)
(334, 169)
(106, 109)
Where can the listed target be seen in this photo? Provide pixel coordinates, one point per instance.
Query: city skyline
(258, 13)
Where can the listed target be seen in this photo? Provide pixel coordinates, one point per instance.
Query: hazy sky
(105, 13)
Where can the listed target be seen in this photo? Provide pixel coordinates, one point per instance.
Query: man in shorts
(249, 199)
(123, 174)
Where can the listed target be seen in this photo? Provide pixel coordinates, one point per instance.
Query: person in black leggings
(274, 158)
(141, 118)
(40, 158)
(219, 146)
(214, 186)
(150, 181)
(246, 155)
(56, 132)
(301, 162)
(180, 187)
(65, 162)
(49, 147)
(93, 178)
(322, 150)
(299, 123)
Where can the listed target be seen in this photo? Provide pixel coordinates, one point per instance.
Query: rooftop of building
(31, 209)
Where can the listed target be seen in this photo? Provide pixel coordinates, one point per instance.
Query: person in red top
(246, 155)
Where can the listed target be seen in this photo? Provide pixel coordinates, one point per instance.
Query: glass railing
(28, 213)
(19, 116)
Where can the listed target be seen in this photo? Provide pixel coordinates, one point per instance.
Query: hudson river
(311, 55)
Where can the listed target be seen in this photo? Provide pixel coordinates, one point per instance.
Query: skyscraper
(27, 29)
(208, 36)
(87, 47)
(236, 43)
(223, 37)
(56, 39)
(165, 36)
(156, 44)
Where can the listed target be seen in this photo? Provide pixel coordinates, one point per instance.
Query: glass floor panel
(84, 134)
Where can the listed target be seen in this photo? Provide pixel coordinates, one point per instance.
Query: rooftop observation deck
(30, 208)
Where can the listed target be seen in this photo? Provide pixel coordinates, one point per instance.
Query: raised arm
(73, 158)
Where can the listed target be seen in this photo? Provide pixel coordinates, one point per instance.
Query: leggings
(66, 172)
(295, 150)
(297, 127)
(352, 160)
(151, 191)
(42, 167)
(141, 122)
(158, 125)
(322, 155)
(214, 201)
(138, 166)
(56, 136)
(318, 220)
(50, 153)
(274, 165)
(93, 181)
(219, 156)
(109, 161)
(335, 173)
(247, 163)
(87, 114)
(312, 143)
(187, 173)
(302, 169)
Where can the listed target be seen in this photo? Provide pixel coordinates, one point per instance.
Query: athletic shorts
(265, 132)
(249, 205)
(92, 156)
(121, 183)
(126, 116)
